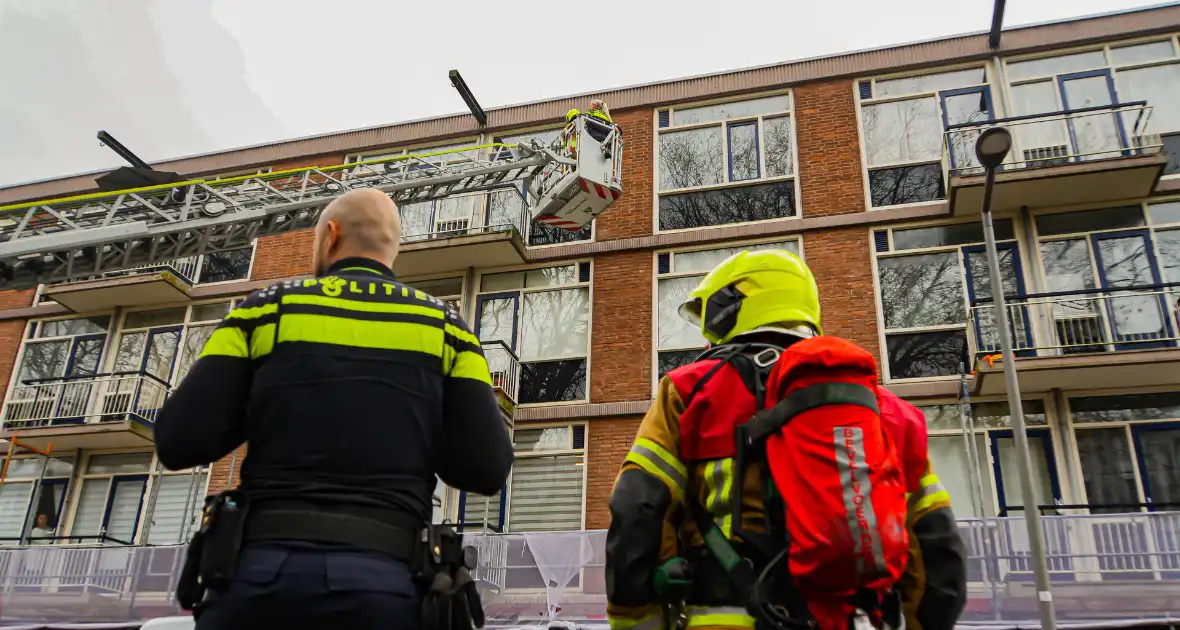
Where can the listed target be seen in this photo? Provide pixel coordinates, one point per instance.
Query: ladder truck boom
(71, 238)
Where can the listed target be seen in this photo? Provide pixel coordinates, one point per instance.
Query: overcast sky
(170, 78)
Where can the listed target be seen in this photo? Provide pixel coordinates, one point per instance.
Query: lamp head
(992, 146)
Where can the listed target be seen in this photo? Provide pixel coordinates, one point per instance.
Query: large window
(677, 273)
(902, 123)
(1117, 73)
(507, 206)
(164, 343)
(56, 349)
(1128, 446)
(1116, 258)
(726, 163)
(992, 486)
(176, 506)
(547, 489)
(543, 315)
(928, 278)
(33, 499)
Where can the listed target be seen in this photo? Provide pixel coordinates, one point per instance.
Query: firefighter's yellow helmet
(749, 290)
(571, 114)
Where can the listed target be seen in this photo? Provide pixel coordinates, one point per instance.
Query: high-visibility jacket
(648, 507)
(352, 390)
(601, 115)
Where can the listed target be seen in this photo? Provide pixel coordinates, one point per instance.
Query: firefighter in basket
(779, 433)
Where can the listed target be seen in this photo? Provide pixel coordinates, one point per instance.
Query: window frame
(657, 277)
(1062, 448)
(445, 275)
(1071, 427)
(998, 105)
(589, 286)
(26, 337)
(584, 452)
(1020, 241)
(723, 125)
(36, 484)
(108, 363)
(1110, 66)
(151, 497)
(81, 476)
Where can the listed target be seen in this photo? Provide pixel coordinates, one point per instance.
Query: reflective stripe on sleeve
(719, 616)
(657, 461)
(650, 622)
(719, 483)
(930, 492)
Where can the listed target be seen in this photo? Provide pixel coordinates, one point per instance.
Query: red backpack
(841, 493)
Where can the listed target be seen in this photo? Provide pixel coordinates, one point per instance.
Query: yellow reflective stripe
(719, 482)
(226, 342)
(663, 453)
(262, 341)
(932, 492)
(462, 357)
(658, 469)
(460, 334)
(252, 312)
(470, 365)
(360, 333)
(650, 622)
(425, 310)
(719, 616)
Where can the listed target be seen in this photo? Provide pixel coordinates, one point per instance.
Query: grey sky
(170, 78)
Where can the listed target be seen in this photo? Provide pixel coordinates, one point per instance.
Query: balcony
(483, 230)
(505, 368)
(115, 410)
(1082, 156)
(1077, 340)
(138, 286)
(1105, 569)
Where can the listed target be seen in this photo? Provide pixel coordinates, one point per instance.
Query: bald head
(363, 223)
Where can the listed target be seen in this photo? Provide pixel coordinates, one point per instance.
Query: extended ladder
(82, 236)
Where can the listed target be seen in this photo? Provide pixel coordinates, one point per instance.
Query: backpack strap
(767, 422)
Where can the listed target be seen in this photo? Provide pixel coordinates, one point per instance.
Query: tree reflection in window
(727, 205)
(921, 290)
(224, 266)
(926, 354)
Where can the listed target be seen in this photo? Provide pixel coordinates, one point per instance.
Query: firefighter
(599, 110)
(569, 134)
(651, 529)
(353, 392)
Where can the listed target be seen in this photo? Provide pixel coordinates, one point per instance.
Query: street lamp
(991, 148)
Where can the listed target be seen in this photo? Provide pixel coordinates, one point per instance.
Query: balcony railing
(1085, 321)
(111, 397)
(1114, 569)
(1056, 138)
(504, 366)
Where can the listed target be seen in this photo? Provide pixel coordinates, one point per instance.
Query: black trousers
(296, 585)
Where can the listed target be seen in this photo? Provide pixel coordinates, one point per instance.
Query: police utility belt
(441, 566)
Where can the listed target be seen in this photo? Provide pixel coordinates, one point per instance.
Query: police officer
(352, 391)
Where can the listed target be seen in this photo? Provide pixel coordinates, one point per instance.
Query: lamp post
(991, 148)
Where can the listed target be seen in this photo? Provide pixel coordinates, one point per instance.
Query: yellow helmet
(748, 290)
(571, 114)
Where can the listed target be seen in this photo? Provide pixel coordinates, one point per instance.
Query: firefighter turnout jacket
(352, 391)
(649, 522)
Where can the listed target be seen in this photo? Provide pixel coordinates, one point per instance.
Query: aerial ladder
(58, 240)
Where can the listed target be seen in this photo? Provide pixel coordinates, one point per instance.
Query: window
(109, 501)
(543, 315)
(930, 279)
(449, 290)
(56, 349)
(441, 218)
(987, 479)
(166, 342)
(1096, 251)
(1128, 446)
(547, 488)
(32, 499)
(506, 207)
(223, 266)
(902, 123)
(1148, 71)
(726, 163)
(677, 273)
(176, 506)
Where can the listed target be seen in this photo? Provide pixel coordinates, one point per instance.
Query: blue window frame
(1127, 313)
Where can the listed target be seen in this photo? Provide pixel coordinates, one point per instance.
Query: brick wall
(608, 443)
(631, 215)
(840, 260)
(11, 333)
(283, 255)
(830, 177)
(219, 472)
(620, 340)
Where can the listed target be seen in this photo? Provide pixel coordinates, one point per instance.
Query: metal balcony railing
(1056, 138)
(1114, 569)
(1084, 321)
(504, 366)
(110, 397)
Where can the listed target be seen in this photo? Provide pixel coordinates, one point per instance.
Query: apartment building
(860, 162)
